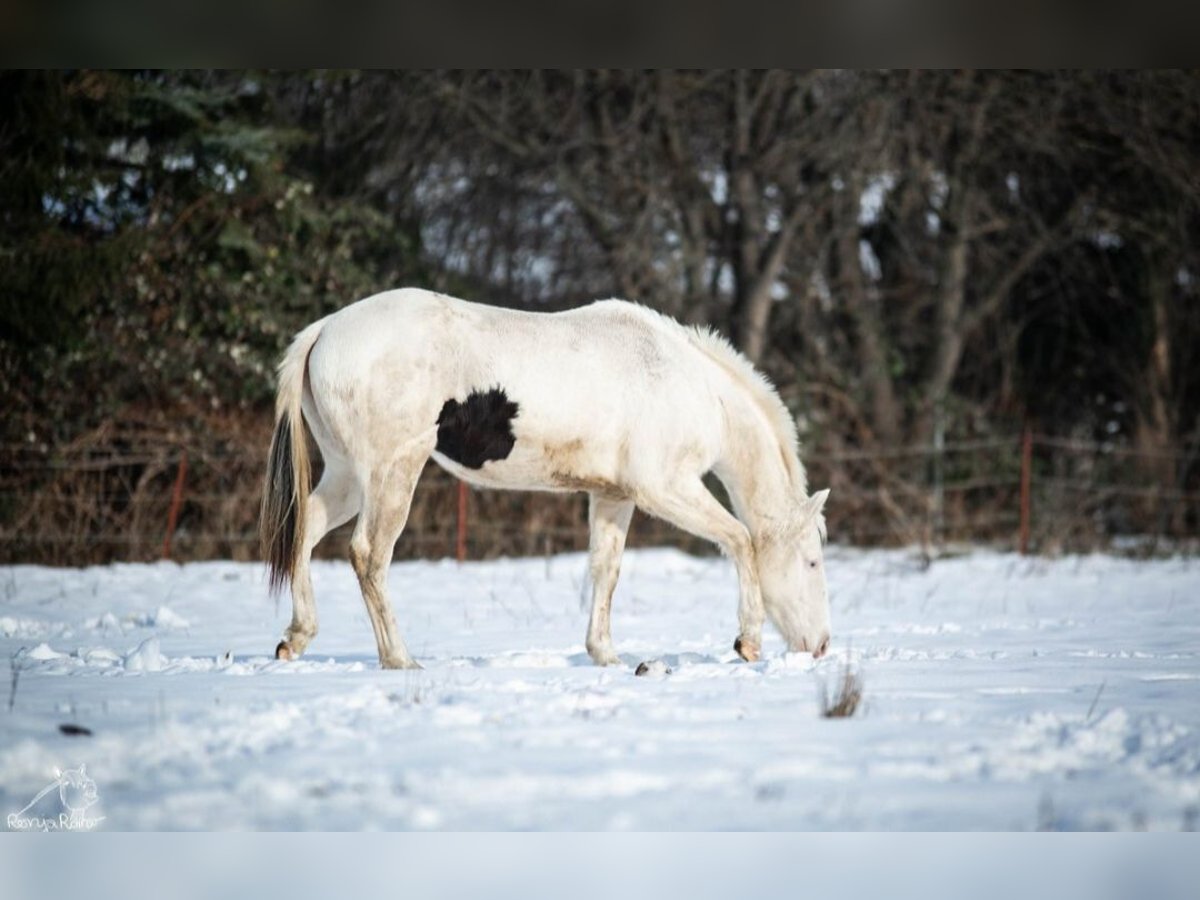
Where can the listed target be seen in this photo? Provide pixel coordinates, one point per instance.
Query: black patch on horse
(478, 429)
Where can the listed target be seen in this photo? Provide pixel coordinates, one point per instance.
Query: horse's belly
(561, 467)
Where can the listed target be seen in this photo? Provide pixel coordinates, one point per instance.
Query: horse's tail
(289, 469)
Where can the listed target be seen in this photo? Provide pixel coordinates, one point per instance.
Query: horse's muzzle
(822, 648)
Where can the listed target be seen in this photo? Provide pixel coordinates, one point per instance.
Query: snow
(998, 693)
(146, 657)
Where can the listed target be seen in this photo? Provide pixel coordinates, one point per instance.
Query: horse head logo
(77, 792)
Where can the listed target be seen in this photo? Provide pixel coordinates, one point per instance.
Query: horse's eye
(813, 564)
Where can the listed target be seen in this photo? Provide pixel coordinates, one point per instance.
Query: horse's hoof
(604, 656)
(284, 651)
(400, 664)
(747, 651)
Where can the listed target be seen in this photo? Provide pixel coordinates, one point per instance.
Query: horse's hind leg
(609, 521)
(334, 502)
(386, 503)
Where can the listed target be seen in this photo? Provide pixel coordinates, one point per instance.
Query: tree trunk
(949, 336)
(1155, 425)
(864, 305)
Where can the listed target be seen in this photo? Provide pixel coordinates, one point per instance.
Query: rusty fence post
(1026, 477)
(460, 545)
(176, 503)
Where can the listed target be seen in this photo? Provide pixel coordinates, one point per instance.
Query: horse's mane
(717, 348)
(762, 393)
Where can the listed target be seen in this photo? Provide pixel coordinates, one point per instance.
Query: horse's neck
(754, 469)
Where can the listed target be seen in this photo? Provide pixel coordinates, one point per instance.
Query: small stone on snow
(652, 667)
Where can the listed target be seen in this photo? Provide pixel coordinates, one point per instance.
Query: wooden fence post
(176, 503)
(1026, 477)
(939, 473)
(460, 547)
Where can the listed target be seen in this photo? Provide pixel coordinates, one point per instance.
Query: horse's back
(597, 391)
(580, 350)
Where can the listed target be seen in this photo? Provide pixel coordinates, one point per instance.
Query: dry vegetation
(921, 261)
(845, 700)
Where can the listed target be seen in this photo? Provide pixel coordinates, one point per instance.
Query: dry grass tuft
(846, 699)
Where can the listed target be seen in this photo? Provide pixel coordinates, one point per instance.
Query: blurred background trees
(915, 258)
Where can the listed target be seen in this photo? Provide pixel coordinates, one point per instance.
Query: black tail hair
(278, 517)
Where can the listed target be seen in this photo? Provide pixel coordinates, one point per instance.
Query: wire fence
(109, 502)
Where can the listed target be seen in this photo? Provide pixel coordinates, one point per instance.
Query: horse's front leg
(690, 506)
(751, 612)
(609, 523)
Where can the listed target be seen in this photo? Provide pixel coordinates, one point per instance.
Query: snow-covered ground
(999, 693)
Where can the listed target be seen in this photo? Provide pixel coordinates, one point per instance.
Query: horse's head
(792, 574)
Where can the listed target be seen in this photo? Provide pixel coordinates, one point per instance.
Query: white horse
(612, 399)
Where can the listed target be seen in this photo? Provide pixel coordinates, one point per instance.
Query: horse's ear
(814, 504)
(810, 512)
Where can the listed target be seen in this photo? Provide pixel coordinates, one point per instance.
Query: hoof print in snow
(652, 667)
(283, 651)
